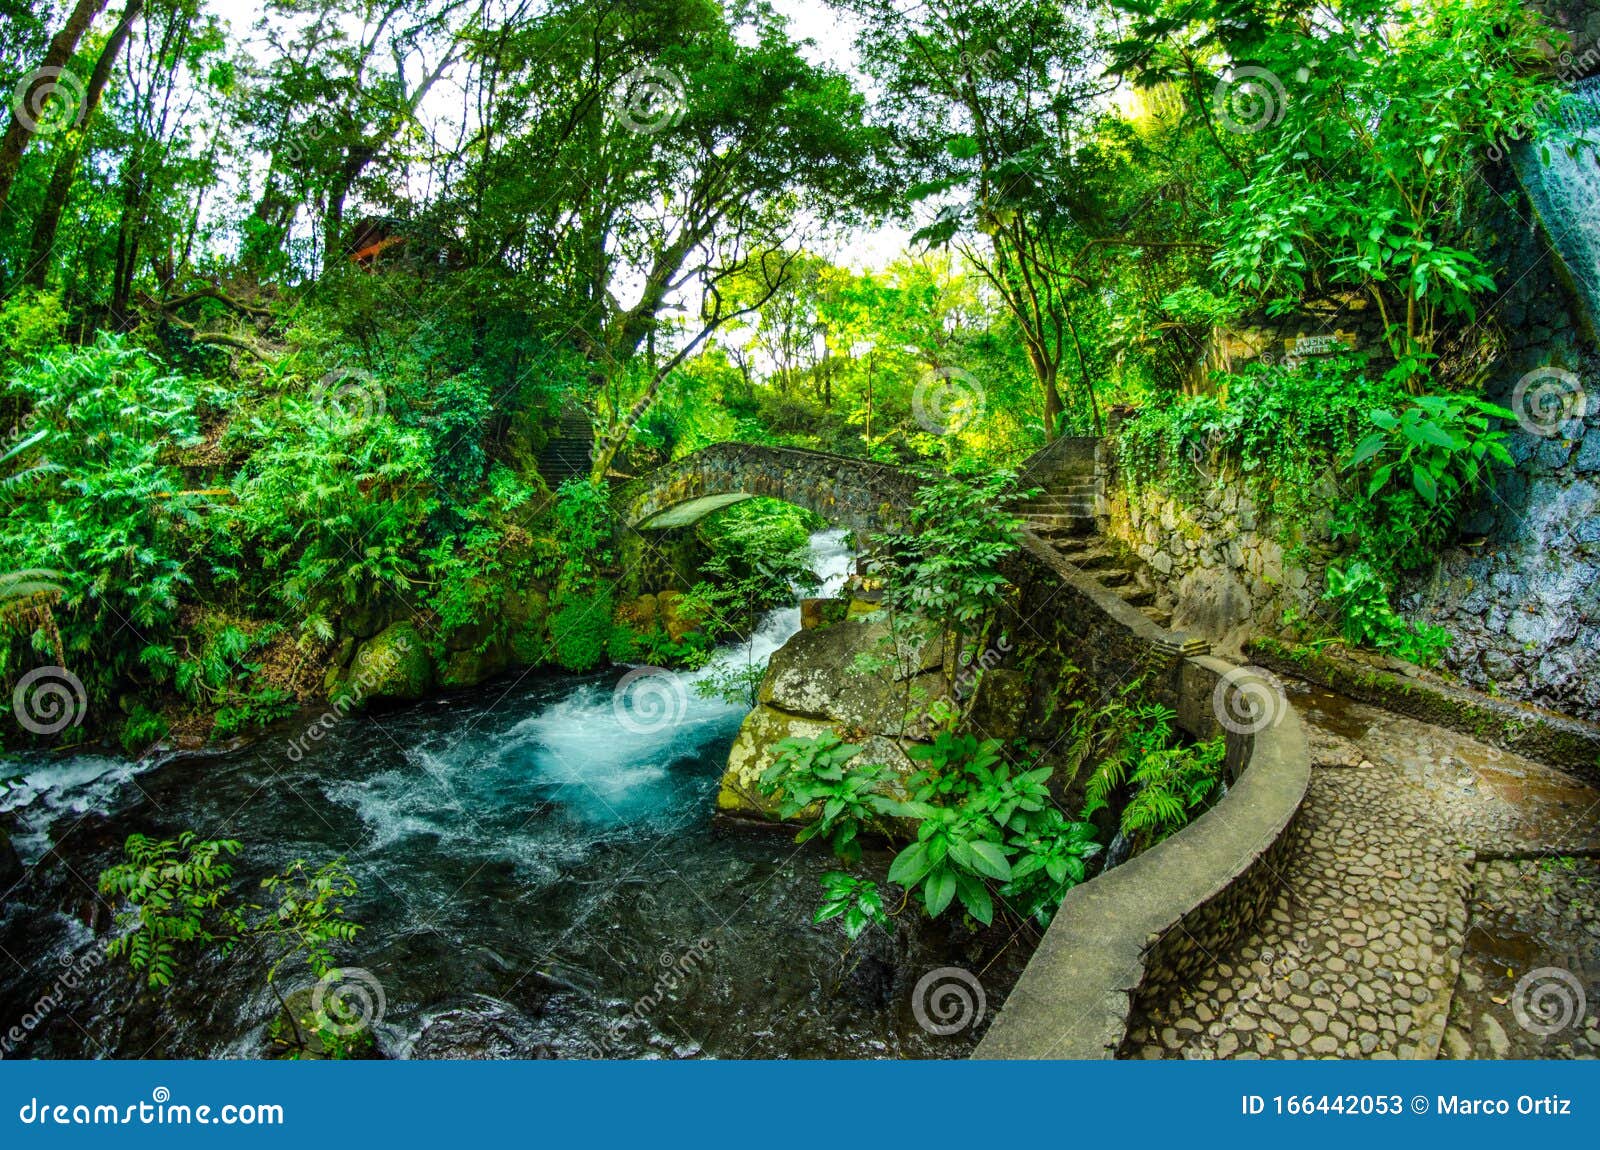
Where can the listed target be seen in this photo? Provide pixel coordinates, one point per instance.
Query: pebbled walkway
(1430, 877)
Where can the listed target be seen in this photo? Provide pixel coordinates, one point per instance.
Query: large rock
(752, 753)
(815, 675)
(812, 686)
(393, 664)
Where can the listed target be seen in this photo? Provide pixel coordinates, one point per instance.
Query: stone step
(1063, 505)
(1087, 558)
(1135, 596)
(1114, 577)
(1050, 526)
(1160, 616)
(1084, 509)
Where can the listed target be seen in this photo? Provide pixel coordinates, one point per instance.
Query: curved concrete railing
(1156, 918)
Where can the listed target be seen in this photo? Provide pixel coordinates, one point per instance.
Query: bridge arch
(859, 494)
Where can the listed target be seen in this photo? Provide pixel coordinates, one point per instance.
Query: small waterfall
(1560, 168)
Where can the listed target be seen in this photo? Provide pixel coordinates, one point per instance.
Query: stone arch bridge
(856, 493)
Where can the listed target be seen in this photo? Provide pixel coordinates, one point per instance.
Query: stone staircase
(569, 453)
(1069, 514)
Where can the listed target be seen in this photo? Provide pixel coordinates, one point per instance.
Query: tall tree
(66, 161)
(23, 125)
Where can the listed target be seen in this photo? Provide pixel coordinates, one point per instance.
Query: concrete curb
(1157, 917)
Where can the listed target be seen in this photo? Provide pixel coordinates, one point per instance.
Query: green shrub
(580, 628)
(1367, 619)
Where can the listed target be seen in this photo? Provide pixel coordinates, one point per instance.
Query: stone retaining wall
(1136, 928)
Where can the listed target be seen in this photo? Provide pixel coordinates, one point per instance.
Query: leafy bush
(808, 772)
(1140, 756)
(974, 814)
(1367, 620)
(94, 497)
(855, 900)
(177, 895)
(580, 628)
(1420, 467)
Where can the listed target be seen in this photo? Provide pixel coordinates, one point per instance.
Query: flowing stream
(540, 871)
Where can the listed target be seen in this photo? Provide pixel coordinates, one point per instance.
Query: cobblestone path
(1431, 906)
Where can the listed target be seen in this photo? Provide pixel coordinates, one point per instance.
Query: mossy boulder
(811, 686)
(469, 668)
(752, 753)
(675, 620)
(393, 664)
(814, 675)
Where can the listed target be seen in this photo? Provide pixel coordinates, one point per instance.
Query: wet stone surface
(1389, 936)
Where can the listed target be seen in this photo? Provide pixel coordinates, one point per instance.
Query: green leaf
(911, 864)
(989, 860)
(940, 889)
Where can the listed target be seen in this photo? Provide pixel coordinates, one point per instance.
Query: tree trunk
(21, 128)
(55, 200)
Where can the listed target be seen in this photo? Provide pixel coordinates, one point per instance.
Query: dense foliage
(326, 342)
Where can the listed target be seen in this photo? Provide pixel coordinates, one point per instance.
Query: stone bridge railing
(855, 493)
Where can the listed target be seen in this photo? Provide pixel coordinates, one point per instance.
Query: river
(540, 872)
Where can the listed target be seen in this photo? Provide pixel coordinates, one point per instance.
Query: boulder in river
(393, 664)
(815, 683)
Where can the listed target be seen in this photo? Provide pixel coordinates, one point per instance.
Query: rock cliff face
(812, 686)
(1520, 595)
